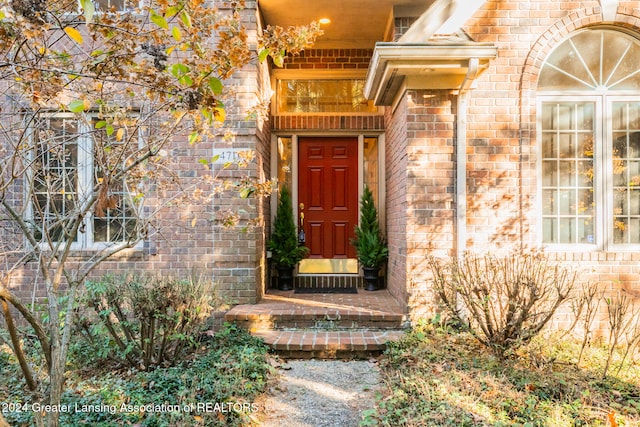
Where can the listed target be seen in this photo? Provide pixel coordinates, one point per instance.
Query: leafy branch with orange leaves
(109, 93)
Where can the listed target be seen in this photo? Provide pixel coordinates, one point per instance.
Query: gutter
(461, 157)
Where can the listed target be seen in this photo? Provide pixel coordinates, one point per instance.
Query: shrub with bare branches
(624, 318)
(145, 321)
(503, 301)
(585, 307)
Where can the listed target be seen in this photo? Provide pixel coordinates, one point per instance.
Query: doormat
(336, 290)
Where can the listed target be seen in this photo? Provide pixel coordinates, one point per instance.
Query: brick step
(323, 326)
(261, 318)
(309, 344)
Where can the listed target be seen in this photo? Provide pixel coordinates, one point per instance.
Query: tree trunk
(3, 422)
(56, 384)
(58, 357)
(33, 321)
(17, 346)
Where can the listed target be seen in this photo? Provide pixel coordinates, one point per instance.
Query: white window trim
(603, 174)
(85, 241)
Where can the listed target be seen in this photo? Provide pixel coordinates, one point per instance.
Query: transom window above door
(333, 96)
(589, 139)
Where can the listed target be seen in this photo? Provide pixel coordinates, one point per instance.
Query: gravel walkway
(320, 393)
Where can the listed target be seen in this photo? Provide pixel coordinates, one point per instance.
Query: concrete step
(310, 344)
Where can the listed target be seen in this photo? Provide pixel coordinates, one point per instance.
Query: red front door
(328, 190)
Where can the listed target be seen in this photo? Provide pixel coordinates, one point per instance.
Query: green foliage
(230, 370)
(507, 300)
(150, 76)
(370, 245)
(284, 247)
(144, 321)
(436, 377)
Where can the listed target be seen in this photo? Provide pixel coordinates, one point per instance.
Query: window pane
(115, 213)
(550, 173)
(567, 230)
(117, 223)
(626, 173)
(567, 202)
(55, 190)
(322, 96)
(593, 58)
(585, 231)
(567, 173)
(549, 145)
(549, 202)
(626, 76)
(585, 174)
(585, 202)
(567, 144)
(285, 162)
(566, 117)
(549, 227)
(585, 116)
(585, 145)
(371, 166)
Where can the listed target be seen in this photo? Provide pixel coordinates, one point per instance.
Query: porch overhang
(438, 65)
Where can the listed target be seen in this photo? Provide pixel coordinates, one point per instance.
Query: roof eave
(441, 65)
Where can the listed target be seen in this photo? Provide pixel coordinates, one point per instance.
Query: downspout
(461, 157)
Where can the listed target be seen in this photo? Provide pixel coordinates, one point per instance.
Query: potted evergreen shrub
(284, 247)
(371, 247)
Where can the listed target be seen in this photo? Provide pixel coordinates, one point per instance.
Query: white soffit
(443, 65)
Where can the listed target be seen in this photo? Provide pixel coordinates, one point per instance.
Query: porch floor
(323, 325)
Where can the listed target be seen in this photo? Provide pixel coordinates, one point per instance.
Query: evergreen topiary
(284, 247)
(370, 245)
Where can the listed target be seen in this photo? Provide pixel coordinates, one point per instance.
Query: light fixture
(324, 21)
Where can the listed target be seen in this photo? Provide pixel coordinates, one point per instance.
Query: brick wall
(502, 148)
(328, 123)
(502, 130)
(420, 192)
(396, 200)
(187, 236)
(330, 59)
(239, 251)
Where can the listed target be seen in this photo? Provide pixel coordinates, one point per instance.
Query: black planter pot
(371, 278)
(285, 278)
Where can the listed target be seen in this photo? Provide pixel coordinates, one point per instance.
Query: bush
(143, 321)
(370, 246)
(504, 302)
(283, 244)
(438, 377)
(216, 387)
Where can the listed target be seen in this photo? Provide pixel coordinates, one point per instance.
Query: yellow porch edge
(328, 266)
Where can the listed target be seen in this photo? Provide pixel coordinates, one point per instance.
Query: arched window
(589, 135)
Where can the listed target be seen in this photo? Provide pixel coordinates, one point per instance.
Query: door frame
(295, 164)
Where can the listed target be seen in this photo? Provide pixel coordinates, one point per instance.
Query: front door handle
(301, 236)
